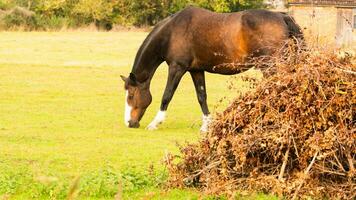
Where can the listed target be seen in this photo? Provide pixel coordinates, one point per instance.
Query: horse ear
(132, 79)
(123, 78)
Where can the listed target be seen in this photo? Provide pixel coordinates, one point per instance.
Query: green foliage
(105, 182)
(53, 7)
(221, 6)
(53, 22)
(18, 17)
(54, 14)
(23, 181)
(148, 12)
(72, 124)
(101, 183)
(3, 5)
(94, 10)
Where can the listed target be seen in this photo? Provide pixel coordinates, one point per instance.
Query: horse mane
(155, 31)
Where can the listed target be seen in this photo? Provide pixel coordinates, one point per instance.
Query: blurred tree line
(55, 14)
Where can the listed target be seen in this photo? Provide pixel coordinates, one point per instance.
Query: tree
(105, 13)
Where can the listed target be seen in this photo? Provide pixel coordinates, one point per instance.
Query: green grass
(61, 116)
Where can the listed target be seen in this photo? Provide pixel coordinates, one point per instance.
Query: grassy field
(61, 117)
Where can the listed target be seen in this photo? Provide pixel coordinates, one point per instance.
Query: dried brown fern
(293, 136)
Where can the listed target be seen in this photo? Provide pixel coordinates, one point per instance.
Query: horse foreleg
(199, 83)
(175, 73)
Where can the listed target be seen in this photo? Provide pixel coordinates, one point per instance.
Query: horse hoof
(204, 129)
(151, 128)
(205, 126)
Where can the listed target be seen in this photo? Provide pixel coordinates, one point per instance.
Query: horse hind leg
(175, 74)
(200, 89)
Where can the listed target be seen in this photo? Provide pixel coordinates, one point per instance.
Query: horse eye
(130, 97)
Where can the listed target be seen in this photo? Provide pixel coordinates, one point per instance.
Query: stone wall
(324, 25)
(318, 23)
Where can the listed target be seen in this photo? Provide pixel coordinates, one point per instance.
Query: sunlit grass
(61, 112)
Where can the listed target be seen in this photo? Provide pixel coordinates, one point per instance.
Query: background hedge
(57, 14)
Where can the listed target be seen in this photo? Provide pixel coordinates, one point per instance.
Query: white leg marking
(128, 109)
(160, 117)
(206, 121)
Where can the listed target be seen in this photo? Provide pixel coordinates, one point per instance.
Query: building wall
(344, 27)
(326, 24)
(318, 23)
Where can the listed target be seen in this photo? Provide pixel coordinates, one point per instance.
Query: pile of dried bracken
(293, 136)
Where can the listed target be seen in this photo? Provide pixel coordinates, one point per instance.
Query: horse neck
(148, 58)
(150, 54)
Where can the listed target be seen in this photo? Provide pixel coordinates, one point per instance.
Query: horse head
(138, 98)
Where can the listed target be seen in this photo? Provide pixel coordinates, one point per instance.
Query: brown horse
(196, 40)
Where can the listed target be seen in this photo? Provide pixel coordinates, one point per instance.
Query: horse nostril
(134, 124)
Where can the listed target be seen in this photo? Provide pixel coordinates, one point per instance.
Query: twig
(295, 147)
(212, 165)
(338, 162)
(118, 195)
(285, 160)
(346, 71)
(305, 173)
(73, 189)
(351, 164)
(323, 170)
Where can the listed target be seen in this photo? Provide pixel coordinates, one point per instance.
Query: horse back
(202, 39)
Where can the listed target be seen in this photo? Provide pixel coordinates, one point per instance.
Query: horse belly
(245, 46)
(224, 57)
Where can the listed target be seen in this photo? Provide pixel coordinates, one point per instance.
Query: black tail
(295, 32)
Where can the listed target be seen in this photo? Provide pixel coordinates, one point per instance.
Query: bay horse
(196, 40)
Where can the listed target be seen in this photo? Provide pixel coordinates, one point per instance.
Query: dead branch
(306, 172)
(285, 160)
(351, 164)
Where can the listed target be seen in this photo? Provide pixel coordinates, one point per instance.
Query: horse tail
(294, 30)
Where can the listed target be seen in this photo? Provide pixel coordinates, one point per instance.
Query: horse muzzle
(133, 124)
